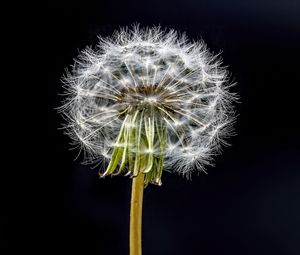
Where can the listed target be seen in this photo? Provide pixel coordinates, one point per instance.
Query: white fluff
(136, 57)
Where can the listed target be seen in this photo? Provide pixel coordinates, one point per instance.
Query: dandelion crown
(146, 100)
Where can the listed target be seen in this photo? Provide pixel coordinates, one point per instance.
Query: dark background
(248, 204)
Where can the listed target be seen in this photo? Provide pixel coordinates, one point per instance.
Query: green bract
(140, 145)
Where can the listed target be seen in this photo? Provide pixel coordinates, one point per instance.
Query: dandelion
(148, 100)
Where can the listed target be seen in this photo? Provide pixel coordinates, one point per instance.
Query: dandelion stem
(135, 243)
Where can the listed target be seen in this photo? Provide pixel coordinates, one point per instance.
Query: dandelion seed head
(150, 99)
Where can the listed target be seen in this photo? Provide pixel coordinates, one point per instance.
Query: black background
(249, 203)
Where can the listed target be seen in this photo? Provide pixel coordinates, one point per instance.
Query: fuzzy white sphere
(160, 81)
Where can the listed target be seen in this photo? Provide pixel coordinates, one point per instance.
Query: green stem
(135, 243)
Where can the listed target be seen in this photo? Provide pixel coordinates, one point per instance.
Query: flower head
(147, 100)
